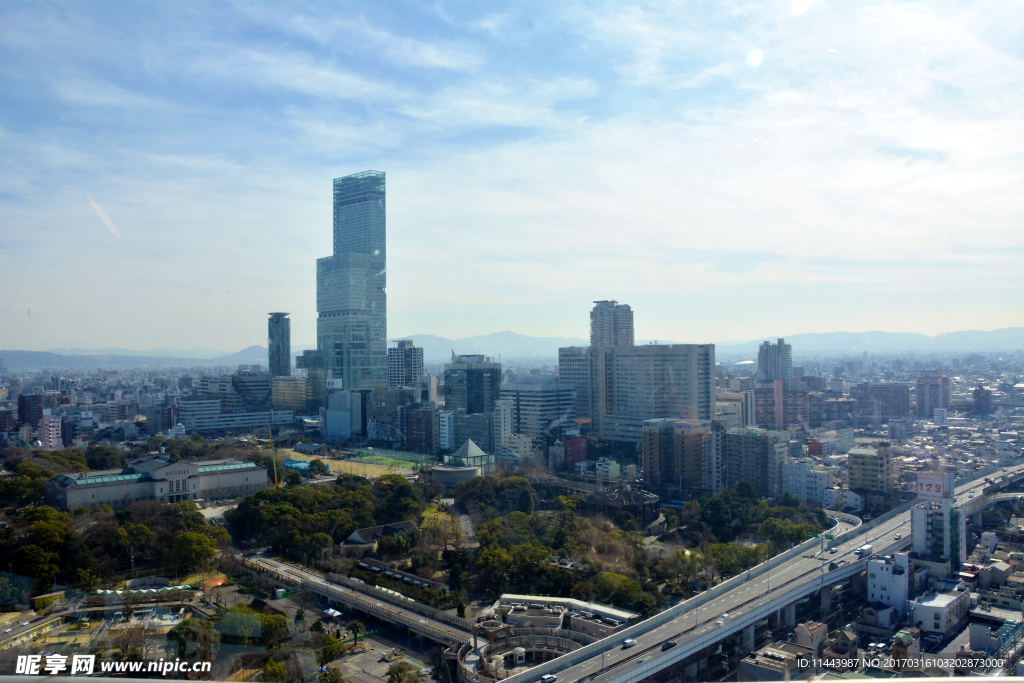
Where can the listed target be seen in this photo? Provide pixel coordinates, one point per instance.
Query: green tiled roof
(227, 468)
(105, 479)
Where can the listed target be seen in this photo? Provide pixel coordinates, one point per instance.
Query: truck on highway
(864, 551)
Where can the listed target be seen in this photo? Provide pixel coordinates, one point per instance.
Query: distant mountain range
(152, 353)
(514, 345)
(42, 360)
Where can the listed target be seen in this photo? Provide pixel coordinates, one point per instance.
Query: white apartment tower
(611, 324)
(775, 361)
(405, 364)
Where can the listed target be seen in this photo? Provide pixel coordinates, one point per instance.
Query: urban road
(617, 662)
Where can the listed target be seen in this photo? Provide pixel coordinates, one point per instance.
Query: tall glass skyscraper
(279, 338)
(351, 303)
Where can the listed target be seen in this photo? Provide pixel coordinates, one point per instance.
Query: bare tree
(128, 637)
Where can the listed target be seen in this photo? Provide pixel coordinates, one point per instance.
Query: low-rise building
(156, 477)
(942, 611)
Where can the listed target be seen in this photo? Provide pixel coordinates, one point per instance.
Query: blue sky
(731, 170)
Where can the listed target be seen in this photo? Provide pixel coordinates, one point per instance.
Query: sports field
(370, 470)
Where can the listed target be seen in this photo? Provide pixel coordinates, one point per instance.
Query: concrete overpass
(386, 606)
(739, 605)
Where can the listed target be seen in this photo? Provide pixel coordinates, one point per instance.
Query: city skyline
(728, 172)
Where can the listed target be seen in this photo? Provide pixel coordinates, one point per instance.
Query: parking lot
(370, 666)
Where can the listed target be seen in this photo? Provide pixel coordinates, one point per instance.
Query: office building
(637, 383)
(205, 416)
(156, 478)
(475, 427)
(574, 367)
(382, 406)
(316, 378)
(543, 407)
(611, 324)
(775, 362)
(574, 449)
(806, 481)
(746, 406)
(883, 401)
(30, 409)
(933, 391)
(405, 364)
(872, 471)
(421, 429)
(446, 430)
(982, 400)
(279, 344)
(291, 393)
(344, 414)
(472, 384)
(504, 423)
(247, 389)
(350, 285)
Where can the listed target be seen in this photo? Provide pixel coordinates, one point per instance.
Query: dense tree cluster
(85, 550)
(301, 521)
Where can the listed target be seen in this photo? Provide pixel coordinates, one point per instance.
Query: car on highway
(667, 644)
(628, 643)
(832, 551)
(548, 678)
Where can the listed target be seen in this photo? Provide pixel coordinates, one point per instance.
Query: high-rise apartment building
(405, 364)
(775, 361)
(778, 408)
(611, 324)
(652, 381)
(279, 344)
(872, 470)
(933, 391)
(350, 285)
(676, 453)
(49, 430)
(746, 458)
(472, 384)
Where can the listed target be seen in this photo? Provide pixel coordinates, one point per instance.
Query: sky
(730, 170)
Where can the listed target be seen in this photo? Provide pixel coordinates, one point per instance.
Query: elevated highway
(740, 604)
(388, 607)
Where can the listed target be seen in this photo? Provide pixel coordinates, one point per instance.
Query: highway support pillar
(791, 615)
(826, 598)
(976, 520)
(748, 639)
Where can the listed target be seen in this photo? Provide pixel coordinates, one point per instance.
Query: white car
(548, 678)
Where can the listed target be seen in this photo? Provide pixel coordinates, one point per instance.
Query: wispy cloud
(547, 157)
(105, 218)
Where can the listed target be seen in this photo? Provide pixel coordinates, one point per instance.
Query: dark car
(667, 644)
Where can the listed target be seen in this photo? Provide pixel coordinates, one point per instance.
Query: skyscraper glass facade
(279, 344)
(350, 285)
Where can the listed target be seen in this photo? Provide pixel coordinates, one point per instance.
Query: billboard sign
(934, 486)
(334, 384)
